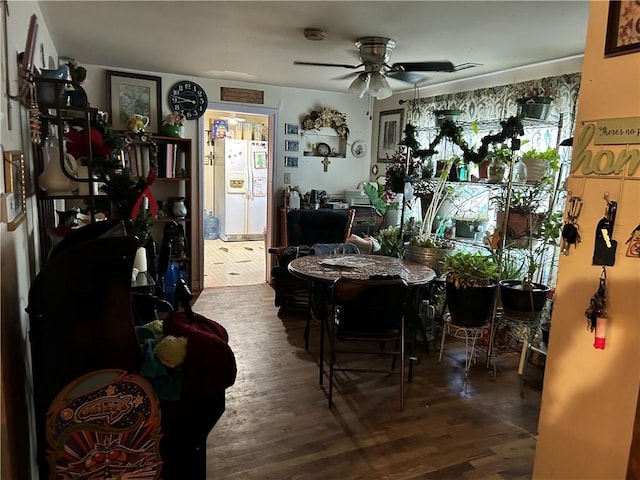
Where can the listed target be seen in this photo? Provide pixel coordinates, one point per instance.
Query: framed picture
(14, 198)
(389, 133)
(291, 129)
(291, 162)
(291, 145)
(623, 28)
(129, 94)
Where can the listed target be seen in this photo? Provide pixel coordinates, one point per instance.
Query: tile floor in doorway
(233, 263)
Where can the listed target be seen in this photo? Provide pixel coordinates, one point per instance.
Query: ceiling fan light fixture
(378, 86)
(359, 85)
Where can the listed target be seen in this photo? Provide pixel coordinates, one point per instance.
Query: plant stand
(470, 335)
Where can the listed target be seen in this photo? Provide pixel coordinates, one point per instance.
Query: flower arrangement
(326, 117)
(77, 73)
(174, 119)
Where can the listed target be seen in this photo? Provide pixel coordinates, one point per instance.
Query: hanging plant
(326, 117)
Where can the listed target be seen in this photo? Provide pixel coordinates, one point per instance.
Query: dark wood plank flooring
(277, 424)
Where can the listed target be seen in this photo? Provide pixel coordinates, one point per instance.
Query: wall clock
(188, 98)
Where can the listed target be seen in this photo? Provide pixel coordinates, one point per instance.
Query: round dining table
(328, 268)
(323, 270)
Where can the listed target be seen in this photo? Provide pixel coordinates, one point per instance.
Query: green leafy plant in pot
(471, 285)
(522, 297)
(540, 163)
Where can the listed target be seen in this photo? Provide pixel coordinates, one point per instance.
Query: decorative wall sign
(603, 161)
(389, 133)
(623, 28)
(617, 131)
(242, 95)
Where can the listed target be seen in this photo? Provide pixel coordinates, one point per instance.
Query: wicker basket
(432, 257)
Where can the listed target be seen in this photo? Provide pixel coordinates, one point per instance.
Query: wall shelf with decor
(323, 142)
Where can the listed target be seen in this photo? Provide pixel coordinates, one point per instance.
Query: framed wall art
(389, 133)
(291, 129)
(291, 162)
(129, 94)
(291, 145)
(623, 28)
(14, 200)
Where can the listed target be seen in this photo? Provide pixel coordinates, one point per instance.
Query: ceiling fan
(375, 53)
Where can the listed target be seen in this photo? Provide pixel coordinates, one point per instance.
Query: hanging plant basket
(536, 108)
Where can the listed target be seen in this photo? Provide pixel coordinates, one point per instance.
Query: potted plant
(429, 250)
(381, 201)
(173, 125)
(469, 227)
(499, 157)
(534, 99)
(539, 162)
(471, 285)
(521, 297)
(391, 245)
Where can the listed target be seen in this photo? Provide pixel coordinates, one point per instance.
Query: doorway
(236, 185)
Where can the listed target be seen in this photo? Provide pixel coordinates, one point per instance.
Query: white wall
(18, 259)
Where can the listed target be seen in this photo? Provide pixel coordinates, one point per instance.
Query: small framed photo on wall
(291, 162)
(389, 133)
(291, 145)
(291, 129)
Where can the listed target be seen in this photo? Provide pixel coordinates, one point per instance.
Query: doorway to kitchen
(237, 155)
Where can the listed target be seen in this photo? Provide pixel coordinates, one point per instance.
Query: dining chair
(319, 303)
(367, 312)
(304, 228)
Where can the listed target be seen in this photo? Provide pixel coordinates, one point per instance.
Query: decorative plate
(359, 149)
(323, 149)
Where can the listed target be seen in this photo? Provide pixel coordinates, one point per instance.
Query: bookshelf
(170, 159)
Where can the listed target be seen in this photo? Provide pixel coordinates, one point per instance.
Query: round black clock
(188, 98)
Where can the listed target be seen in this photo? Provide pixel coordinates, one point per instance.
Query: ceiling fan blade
(424, 66)
(347, 76)
(318, 64)
(409, 77)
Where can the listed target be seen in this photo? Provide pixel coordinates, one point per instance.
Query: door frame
(269, 238)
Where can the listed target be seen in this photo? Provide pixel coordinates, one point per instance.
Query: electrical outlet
(287, 178)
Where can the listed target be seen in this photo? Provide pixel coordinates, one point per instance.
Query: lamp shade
(378, 86)
(359, 85)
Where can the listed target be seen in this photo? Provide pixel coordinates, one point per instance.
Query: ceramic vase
(179, 209)
(52, 179)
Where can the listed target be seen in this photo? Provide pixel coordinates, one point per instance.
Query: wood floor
(277, 424)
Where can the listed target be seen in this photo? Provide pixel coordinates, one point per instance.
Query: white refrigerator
(240, 193)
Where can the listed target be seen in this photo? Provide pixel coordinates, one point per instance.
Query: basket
(431, 257)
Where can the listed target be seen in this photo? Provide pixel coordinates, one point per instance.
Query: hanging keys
(570, 233)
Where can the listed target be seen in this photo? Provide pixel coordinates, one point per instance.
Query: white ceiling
(258, 41)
